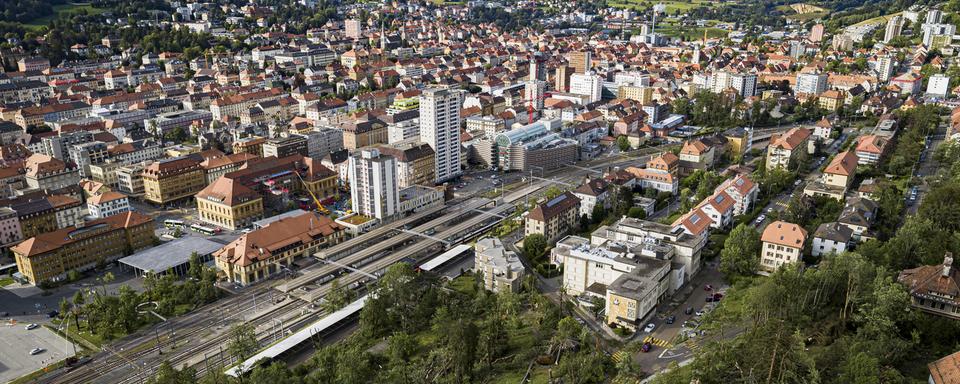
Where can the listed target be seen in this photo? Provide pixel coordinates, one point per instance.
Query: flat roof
(300, 336)
(170, 254)
(264, 222)
(444, 257)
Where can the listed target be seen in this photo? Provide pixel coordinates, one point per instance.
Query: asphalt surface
(16, 343)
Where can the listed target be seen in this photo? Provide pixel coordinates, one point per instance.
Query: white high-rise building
(533, 93)
(894, 28)
(938, 85)
(884, 67)
(373, 184)
(744, 83)
(932, 31)
(440, 128)
(587, 84)
(934, 16)
(811, 83)
(720, 81)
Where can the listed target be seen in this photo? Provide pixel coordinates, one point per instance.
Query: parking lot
(15, 345)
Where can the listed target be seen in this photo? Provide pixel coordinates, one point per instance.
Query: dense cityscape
(433, 191)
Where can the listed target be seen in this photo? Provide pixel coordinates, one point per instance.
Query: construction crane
(316, 201)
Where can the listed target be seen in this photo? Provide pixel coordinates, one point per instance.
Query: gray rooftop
(264, 222)
(170, 254)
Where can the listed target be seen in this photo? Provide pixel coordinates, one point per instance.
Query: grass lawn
(803, 17)
(86, 339)
(63, 10)
(30, 378)
(672, 6)
(464, 284)
(5, 281)
(878, 19)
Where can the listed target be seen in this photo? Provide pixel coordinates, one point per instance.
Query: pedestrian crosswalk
(656, 341)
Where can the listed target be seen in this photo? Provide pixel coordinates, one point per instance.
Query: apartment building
(591, 193)
(130, 179)
(233, 105)
(9, 227)
(871, 149)
(787, 147)
(661, 173)
(554, 218)
(440, 128)
(46, 172)
(229, 204)
(373, 181)
(107, 204)
(285, 146)
(782, 243)
(836, 177)
(269, 250)
(49, 256)
(415, 162)
(631, 278)
(742, 190)
(501, 268)
(169, 180)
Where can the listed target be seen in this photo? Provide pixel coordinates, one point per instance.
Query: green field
(691, 33)
(878, 20)
(672, 6)
(63, 10)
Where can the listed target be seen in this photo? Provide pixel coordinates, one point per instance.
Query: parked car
(646, 347)
(700, 313)
(32, 326)
(717, 296)
(688, 311)
(53, 314)
(649, 328)
(710, 299)
(36, 351)
(671, 319)
(708, 287)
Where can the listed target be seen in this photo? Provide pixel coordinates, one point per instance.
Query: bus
(204, 230)
(171, 224)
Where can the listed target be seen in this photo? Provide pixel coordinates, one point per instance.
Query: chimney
(947, 264)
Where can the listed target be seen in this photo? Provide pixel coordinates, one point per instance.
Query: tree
(599, 213)
(243, 341)
(534, 245)
(337, 298)
(401, 346)
(166, 374)
(196, 267)
(637, 213)
(552, 191)
(740, 255)
(942, 206)
(623, 143)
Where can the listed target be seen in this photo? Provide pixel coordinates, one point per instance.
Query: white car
(649, 328)
(36, 351)
(32, 326)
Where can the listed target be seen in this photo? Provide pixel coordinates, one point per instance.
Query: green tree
(637, 213)
(534, 245)
(740, 255)
(401, 347)
(166, 374)
(337, 298)
(599, 213)
(623, 143)
(243, 341)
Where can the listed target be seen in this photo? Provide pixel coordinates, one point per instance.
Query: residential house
(934, 289)
(782, 243)
(831, 237)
